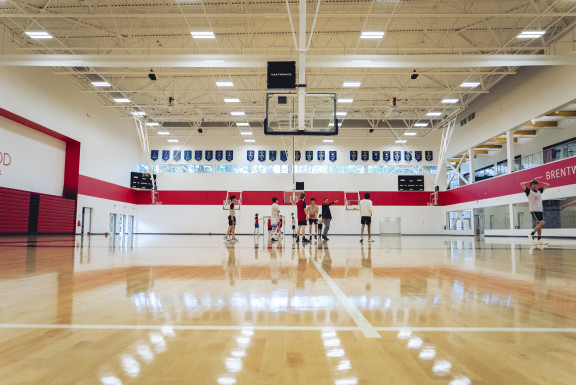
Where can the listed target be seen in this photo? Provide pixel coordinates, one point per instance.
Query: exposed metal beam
(313, 61)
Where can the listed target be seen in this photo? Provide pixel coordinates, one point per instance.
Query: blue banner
(154, 155)
(309, 156)
(365, 156)
(321, 156)
(219, 155)
(272, 155)
(229, 155)
(353, 156)
(386, 156)
(165, 155)
(408, 156)
(250, 155)
(397, 156)
(333, 156)
(262, 155)
(198, 155)
(187, 156)
(208, 155)
(283, 156)
(376, 156)
(297, 155)
(428, 155)
(418, 156)
(177, 155)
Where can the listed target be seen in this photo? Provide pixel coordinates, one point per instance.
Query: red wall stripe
(105, 190)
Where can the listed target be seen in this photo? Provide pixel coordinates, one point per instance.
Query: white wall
(101, 210)
(534, 91)
(30, 160)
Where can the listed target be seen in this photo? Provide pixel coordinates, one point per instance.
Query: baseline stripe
(365, 326)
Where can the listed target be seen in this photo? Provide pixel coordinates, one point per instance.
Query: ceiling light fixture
(122, 100)
(420, 124)
(341, 113)
(400, 141)
(245, 133)
(202, 34)
(450, 101)
(138, 113)
(163, 133)
(351, 84)
(470, 84)
(345, 100)
(434, 113)
(372, 35)
(38, 35)
(249, 141)
(231, 100)
(530, 34)
(328, 141)
(152, 124)
(101, 84)
(173, 140)
(224, 84)
(238, 113)
(410, 134)
(242, 124)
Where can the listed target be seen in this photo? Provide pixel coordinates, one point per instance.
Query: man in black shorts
(231, 233)
(534, 195)
(366, 216)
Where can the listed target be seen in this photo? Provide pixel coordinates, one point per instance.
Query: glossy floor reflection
(198, 310)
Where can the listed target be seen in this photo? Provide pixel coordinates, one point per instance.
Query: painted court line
(365, 326)
(287, 328)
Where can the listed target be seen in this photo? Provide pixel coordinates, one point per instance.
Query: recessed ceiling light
(202, 34)
(38, 35)
(331, 124)
(361, 61)
(231, 100)
(351, 84)
(173, 140)
(163, 133)
(101, 84)
(372, 35)
(470, 84)
(242, 124)
(530, 34)
(245, 133)
(410, 134)
(345, 100)
(225, 84)
(153, 124)
(249, 141)
(434, 113)
(328, 140)
(450, 101)
(420, 124)
(238, 113)
(138, 113)
(122, 100)
(214, 61)
(400, 141)
(341, 113)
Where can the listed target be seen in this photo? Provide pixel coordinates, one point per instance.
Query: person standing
(231, 232)
(366, 216)
(256, 224)
(293, 226)
(275, 216)
(320, 225)
(301, 213)
(534, 194)
(313, 217)
(326, 217)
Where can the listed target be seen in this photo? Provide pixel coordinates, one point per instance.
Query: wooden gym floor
(197, 310)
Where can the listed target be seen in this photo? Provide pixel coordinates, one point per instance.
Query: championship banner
(365, 156)
(250, 155)
(208, 155)
(229, 155)
(428, 155)
(321, 156)
(386, 156)
(262, 155)
(177, 155)
(309, 155)
(187, 156)
(297, 155)
(376, 156)
(408, 156)
(165, 155)
(418, 156)
(198, 155)
(154, 155)
(333, 156)
(283, 156)
(272, 155)
(353, 156)
(219, 155)
(397, 156)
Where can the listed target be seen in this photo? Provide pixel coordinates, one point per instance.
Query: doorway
(86, 221)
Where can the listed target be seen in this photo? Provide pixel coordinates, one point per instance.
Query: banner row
(208, 155)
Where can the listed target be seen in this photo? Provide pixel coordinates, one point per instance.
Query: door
(112, 224)
(86, 220)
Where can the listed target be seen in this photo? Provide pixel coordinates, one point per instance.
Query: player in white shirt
(366, 216)
(275, 216)
(534, 195)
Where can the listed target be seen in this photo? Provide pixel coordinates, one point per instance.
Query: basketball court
(129, 132)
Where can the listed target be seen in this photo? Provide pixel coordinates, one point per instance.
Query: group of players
(317, 218)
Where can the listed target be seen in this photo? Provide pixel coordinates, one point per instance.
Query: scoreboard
(141, 180)
(410, 182)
